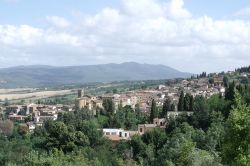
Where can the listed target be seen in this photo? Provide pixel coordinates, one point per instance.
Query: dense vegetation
(243, 69)
(218, 133)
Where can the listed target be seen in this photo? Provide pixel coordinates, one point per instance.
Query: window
(113, 133)
(140, 130)
(120, 134)
(107, 133)
(125, 134)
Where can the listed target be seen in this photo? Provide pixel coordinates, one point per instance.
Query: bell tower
(80, 93)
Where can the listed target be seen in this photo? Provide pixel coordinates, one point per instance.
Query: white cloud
(27, 36)
(154, 8)
(143, 8)
(176, 9)
(147, 31)
(243, 12)
(58, 21)
(22, 36)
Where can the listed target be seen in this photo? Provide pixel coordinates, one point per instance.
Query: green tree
(214, 137)
(211, 80)
(181, 148)
(236, 149)
(191, 104)
(153, 111)
(156, 138)
(23, 129)
(166, 108)
(63, 137)
(6, 102)
(187, 101)
(90, 129)
(172, 107)
(109, 106)
(230, 91)
(114, 91)
(181, 102)
(201, 116)
(138, 147)
(225, 81)
(6, 127)
(120, 117)
(57, 158)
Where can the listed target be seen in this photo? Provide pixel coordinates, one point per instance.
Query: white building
(118, 134)
(177, 113)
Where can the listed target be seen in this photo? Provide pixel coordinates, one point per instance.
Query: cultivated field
(17, 90)
(16, 95)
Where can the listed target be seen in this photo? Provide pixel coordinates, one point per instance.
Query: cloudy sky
(189, 35)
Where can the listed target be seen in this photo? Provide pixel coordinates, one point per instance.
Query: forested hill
(33, 76)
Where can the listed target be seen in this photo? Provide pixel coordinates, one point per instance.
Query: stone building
(88, 102)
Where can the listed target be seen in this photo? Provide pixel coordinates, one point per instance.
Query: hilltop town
(132, 123)
(32, 115)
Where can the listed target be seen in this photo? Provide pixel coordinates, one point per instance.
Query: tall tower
(80, 93)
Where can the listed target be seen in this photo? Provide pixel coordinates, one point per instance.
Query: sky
(188, 35)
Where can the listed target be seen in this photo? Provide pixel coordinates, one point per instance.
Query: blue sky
(33, 11)
(216, 8)
(189, 35)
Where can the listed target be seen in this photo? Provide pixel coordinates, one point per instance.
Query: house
(31, 108)
(177, 113)
(222, 91)
(160, 122)
(118, 134)
(67, 108)
(143, 128)
(15, 117)
(145, 107)
(13, 108)
(89, 102)
(41, 119)
(161, 87)
(157, 123)
(244, 74)
(218, 81)
(47, 112)
(59, 107)
(31, 126)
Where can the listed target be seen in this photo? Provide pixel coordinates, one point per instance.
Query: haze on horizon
(188, 35)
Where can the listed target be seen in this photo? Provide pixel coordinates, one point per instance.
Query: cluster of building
(36, 114)
(121, 134)
(202, 87)
(195, 87)
(142, 98)
(245, 74)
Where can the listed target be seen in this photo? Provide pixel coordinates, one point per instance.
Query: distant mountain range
(38, 75)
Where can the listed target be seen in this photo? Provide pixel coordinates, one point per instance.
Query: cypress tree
(187, 102)
(166, 107)
(181, 102)
(230, 91)
(153, 112)
(191, 106)
(172, 107)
